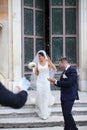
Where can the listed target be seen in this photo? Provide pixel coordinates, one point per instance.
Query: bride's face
(40, 57)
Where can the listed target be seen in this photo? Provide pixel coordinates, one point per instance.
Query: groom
(69, 92)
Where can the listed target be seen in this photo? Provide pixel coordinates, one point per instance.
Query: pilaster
(83, 44)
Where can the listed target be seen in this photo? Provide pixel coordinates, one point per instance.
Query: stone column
(14, 42)
(4, 43)
(10, 68)
(83, 45)
(16, 39)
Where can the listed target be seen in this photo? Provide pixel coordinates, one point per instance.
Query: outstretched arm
(71, 78)
(36, 70)
(8, 98)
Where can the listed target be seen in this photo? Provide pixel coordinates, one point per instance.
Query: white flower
(64, 76)
(31, 65)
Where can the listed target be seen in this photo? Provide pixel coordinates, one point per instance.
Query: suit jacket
(8, 98)
(68, 84)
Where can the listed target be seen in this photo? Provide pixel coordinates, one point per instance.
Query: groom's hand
(52, 80)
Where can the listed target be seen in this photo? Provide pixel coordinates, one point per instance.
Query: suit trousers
(8, 98)
(69, 123)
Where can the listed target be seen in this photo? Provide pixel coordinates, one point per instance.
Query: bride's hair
(41, 53)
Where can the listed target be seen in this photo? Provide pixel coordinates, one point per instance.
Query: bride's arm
(51, 65)
(36, 70)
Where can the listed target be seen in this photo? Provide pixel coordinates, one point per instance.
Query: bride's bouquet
(32, 65)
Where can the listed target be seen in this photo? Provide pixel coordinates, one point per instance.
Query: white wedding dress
(44, 97)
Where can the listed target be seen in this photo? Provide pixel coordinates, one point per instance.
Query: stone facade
(10, 45)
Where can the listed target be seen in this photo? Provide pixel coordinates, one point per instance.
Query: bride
(44, 97)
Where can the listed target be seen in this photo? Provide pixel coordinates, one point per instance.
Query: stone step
(33, 122)
(27, 116)
(32, 97)
(31, 109)
(46, 128)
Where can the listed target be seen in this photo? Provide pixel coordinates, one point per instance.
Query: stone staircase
(26, 117)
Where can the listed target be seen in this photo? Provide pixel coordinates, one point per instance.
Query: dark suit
(69, 93)
(7, 98)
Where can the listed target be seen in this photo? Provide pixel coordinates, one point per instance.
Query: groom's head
(63, 63)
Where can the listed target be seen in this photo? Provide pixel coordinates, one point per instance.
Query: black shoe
(75, 129)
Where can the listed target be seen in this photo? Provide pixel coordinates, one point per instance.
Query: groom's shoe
(23, 84)
(75, 129)
(71, 129)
